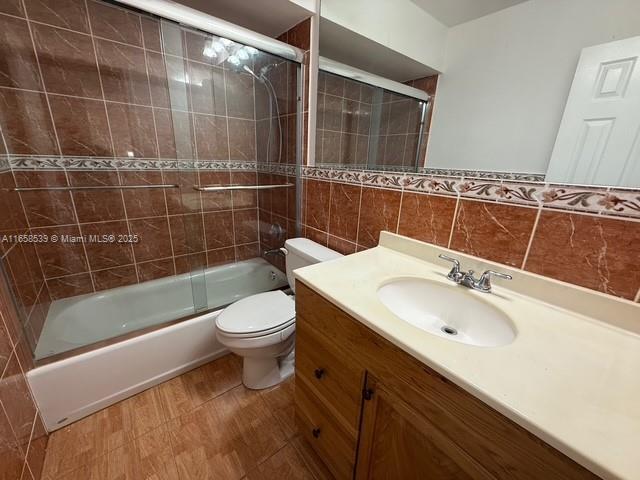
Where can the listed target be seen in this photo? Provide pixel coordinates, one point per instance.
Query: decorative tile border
(485, 174)
(4, 163)
(277, 168)
(610, 201)
(97, 163)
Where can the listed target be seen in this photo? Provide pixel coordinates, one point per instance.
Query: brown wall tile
(114, 277)
(218, 228)
(106, 254)
(17, 401)
(598, 253)
(123, 73)
(44, 208)
(115, 23)
(11, 454)
(240, 98)
(70, 14)
(81, 125)
(242, 140)
(317, 196)
(155, 269)
(151, 34)
(184, 199)
(245, 224)
(345, 205)
(206, 84)
(18, 68)
(187, 234)
(143, 202)
(132, 130)
(26, 123)
(158, 80)
(427, 217)
(12, 7)
(70, 286)
(67, 60)
(379, 211)
(97, 205)
(220, 256)
(154, 238)
(60, 258)
(500, 233)
(212, 137)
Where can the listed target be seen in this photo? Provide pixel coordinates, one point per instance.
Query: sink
(449, 311)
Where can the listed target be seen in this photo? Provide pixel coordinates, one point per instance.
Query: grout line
(399, 210)
(226, 111)
(453, 222)
(142, 105)
(359, 210)
(25, 465)
(533, 234)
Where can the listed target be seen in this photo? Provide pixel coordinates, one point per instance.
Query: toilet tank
(303, 252)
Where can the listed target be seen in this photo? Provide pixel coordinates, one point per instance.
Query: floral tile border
(98, 163)
(485, 174)
(4, 163)
(614, 202)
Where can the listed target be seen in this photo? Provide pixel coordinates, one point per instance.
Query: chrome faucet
(276, 251)
(482, 284)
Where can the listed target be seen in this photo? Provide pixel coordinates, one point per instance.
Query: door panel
(599, 138)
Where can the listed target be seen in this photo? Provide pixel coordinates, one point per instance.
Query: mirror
(538, 91)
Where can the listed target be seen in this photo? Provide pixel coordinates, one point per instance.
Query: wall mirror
(534, 90)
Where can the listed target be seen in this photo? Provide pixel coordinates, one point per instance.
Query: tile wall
(585, 236)
(23, 439)
(95, 95)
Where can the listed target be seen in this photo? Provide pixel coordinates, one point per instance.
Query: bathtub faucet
(276, 251)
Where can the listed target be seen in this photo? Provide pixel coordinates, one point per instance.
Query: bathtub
(69, 389)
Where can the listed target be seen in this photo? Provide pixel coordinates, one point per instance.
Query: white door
(599, 138)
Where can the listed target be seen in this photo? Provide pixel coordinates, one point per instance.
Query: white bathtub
(85, 319)
(72, 388)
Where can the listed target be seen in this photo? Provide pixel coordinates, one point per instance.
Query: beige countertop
(571, 379)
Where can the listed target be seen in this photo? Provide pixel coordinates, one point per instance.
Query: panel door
(599, 137)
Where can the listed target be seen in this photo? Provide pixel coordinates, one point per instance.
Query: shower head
(252, 73)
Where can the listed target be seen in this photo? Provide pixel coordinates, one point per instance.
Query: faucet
(482, 284)
(276, 251)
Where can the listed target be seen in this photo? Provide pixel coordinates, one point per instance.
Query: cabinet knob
(319, 373)
(367, 393)
(315, 432)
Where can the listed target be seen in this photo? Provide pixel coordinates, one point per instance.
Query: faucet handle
(455, 274)
(484, 283)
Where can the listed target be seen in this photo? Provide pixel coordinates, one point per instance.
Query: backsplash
(582, 235)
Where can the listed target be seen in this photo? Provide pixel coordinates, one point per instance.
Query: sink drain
(449, 330)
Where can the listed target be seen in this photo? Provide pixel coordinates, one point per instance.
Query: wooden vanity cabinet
(372, 411)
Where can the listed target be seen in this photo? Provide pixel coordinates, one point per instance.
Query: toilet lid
(257, 313)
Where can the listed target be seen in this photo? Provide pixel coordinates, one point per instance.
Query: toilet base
(260, 373)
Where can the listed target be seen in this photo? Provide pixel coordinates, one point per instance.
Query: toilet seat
(257, 315)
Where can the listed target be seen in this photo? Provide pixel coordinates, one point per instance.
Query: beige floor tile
(190, 390)
(226, 437)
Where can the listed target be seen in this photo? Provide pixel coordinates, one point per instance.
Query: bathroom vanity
(378, 397)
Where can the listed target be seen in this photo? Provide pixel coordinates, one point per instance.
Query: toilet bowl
(261, 328)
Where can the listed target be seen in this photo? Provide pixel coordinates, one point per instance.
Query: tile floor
(203, 424)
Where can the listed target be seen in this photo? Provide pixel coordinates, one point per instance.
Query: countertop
(572, 380)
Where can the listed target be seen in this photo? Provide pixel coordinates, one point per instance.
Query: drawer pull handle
(315, 432)
(319, 373)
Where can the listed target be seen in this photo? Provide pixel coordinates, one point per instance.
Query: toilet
(261, 328)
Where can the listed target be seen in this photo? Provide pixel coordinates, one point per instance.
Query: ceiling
(455, 12)
(269, 17)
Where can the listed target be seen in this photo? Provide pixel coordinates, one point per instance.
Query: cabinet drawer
(336, 449)
(329, 375)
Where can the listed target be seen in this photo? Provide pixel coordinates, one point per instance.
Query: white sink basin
(449, 311)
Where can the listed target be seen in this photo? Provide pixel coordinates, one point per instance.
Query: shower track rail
(93, 187)
(218, 188)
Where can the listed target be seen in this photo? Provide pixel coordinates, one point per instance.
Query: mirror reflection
(540, 90)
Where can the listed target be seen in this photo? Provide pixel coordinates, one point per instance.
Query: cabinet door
(396, 441)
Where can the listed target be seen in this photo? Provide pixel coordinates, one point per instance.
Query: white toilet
(261, 328)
